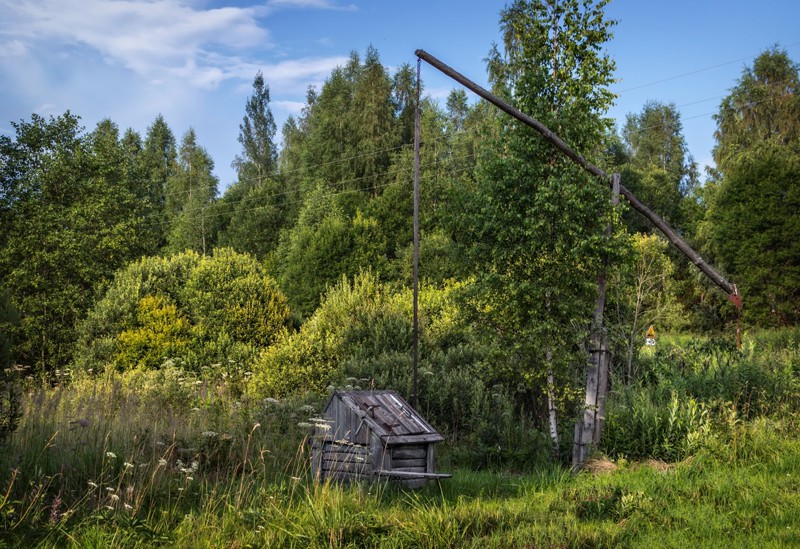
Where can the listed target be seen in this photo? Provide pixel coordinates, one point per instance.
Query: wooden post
(590, 424)
(415, 344)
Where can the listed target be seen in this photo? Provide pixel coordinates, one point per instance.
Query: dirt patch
(598, 466)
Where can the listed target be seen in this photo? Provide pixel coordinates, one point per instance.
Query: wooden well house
(374, 435)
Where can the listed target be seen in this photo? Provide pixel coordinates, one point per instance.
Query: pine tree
(753, 219)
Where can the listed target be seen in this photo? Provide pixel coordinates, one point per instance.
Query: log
(396, 463)
(409, 452)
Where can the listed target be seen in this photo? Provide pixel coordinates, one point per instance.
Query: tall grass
(168, 458)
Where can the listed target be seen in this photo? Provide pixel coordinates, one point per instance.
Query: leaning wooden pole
(557, 142)
(415, 345)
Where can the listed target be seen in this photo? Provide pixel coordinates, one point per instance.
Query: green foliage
(323, 246)
(642, 293)
(754, 235)
(200, 309)
(658, 168)
(639, 428)
(311, 359)
(10, 411)
(533, 228)
(692, 396)
(74, 210)
(191, 189)
(256, 208)
(764, 105)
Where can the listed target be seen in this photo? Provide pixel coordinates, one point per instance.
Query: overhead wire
(696, 71)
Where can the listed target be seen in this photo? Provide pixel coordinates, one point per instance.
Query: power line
(696, 71)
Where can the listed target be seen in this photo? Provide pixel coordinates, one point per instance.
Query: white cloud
(13, 48)
(153, 39)
(294, 107)
(315, 4)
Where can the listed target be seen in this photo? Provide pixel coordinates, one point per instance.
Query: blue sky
(194, 60)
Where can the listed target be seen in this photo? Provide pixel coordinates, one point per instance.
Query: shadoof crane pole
(587, 431)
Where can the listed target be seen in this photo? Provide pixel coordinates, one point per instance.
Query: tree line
(118, 251)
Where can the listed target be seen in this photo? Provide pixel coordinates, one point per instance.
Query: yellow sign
(651, 333)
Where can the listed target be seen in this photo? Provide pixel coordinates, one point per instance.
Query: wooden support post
(590, 424)
(415, 345)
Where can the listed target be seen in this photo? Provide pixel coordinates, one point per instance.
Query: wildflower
(189, 479)
(128, 507)
(109, 489)
(128, 465)
(162, 462)
(159, 443)
(92, 484)
(271, 400)
(111, 455)
(307, 408)
(114, 497)
(209, 434)
(304, 425)
(82, 422)
(55, 509)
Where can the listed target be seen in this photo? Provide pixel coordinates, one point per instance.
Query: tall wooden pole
(414, 396)
(590, 423)
(557, 142)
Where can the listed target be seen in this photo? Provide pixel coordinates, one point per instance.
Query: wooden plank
(342, 476)
(316, 463)
(345, 468)
(407, 474)
(413, 439)
(430, 465)
(346, 458)
(421, 462)
(410, 469)
(346, 449)
(409, 452)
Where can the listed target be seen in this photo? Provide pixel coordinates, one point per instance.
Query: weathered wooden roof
(389, 416)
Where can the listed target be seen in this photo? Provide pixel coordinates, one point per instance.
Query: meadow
(701, 450)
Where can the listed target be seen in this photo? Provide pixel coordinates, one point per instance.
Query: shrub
(197, 309)
(10, 411)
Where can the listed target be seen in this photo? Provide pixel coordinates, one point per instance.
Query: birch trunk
(551, 405)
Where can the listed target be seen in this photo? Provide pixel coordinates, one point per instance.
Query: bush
(10, 411)
(641, 426)
(196, 309)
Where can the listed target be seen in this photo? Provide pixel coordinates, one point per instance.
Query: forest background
(125, 270)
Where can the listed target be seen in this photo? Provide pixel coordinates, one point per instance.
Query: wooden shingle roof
(389, 416)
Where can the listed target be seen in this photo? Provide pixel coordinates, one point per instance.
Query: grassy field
(163, 458)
